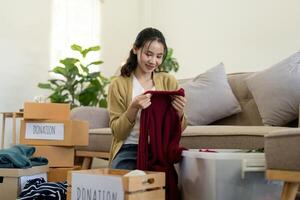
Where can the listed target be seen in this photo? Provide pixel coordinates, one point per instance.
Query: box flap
(60, 111)
(16, 172)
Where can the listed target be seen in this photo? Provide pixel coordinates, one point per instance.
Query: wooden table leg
(87, 163)
(3, 130)
(14, 129)
(289, 191)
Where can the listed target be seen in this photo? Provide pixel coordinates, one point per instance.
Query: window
(74, 21)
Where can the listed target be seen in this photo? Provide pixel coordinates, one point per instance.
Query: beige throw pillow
(276, 91)
(209, 97)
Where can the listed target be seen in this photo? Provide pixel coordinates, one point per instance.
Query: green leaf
(69, 61)
(103, 103)
(94, 83)
(57, 97)
(44, 85)
(87, 96)
(99, 62)
(76, 47)
(60, 70)
(71, 70)
(94, 48)
(84, 68)
(86, 51)
(93, 75)
(56, 81)
(90, 94)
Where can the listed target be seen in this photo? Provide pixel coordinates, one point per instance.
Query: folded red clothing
(160, 133)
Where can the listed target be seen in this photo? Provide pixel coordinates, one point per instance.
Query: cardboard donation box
(60, 174)
(112, 184)
(54, 132)
(56, 111)
(57, 156)
(13, 180)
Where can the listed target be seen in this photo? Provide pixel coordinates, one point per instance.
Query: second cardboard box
(54, 132)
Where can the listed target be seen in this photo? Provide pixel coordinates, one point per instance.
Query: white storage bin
(225, 176)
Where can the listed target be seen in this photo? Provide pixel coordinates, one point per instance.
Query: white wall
(120, 22)
(24, 51)
(247, 35)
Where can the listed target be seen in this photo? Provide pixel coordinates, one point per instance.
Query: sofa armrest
(97, 117)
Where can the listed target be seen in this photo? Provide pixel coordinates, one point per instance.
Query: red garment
(160, 122)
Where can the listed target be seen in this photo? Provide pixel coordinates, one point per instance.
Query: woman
(126, 96)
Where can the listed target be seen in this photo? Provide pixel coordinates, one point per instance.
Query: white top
(137, 89)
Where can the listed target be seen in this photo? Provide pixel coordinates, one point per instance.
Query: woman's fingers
(176, 105)
(143, 101)
(146, 105)
(179, 101)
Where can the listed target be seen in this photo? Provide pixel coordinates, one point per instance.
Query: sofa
(243, 130)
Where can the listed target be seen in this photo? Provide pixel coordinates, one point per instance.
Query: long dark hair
(146, 35)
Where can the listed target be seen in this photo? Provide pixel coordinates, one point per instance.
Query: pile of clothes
(39, 189)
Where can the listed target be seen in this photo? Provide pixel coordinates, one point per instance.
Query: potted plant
(77, 85)
(170, 63)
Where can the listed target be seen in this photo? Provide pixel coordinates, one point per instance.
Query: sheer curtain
(74, 21)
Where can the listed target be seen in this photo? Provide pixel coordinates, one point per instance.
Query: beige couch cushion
(234, 137)
(97, 117)
(99, 140)
(282, 149)
(276, 91)
(224, 137)
(209, 97)
(249, 116)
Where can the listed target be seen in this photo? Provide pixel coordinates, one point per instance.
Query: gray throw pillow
(276, 91)
(209, 97)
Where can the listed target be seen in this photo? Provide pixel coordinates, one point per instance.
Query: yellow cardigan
(119, 99)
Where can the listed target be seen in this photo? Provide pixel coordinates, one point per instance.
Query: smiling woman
(129, 98)
(126, 96)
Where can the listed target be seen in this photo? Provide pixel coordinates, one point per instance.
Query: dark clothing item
(126, 157)
(161, 126)
(19, 156)
(39, 189)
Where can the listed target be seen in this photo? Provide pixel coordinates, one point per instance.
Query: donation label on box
(44, 131)
(92, 186)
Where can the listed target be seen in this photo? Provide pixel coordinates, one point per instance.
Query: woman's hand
(142, 101)
(178, 103)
